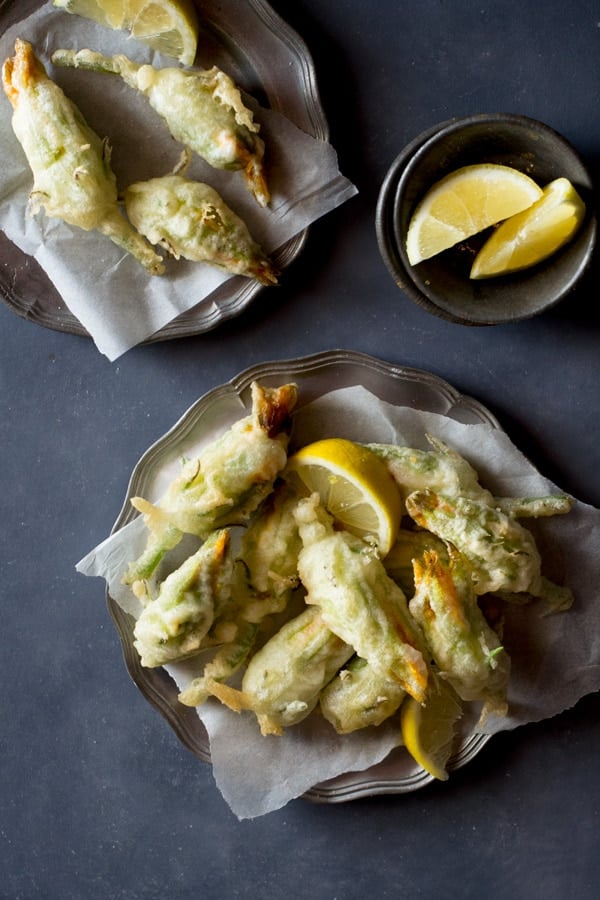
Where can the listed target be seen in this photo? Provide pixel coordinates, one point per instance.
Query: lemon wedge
(168, 26)
(464, 203)
(533, 235)
(428, 730)
(355, 487)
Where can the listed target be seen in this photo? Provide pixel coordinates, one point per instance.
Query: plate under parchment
(315, 376)
(271, 62)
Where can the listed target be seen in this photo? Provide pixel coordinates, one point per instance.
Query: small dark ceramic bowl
(441, 284)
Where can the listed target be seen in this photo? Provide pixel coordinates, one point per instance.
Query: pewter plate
(214, 412)
(269, 60)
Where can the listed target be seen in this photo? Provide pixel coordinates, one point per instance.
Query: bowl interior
(442, 284)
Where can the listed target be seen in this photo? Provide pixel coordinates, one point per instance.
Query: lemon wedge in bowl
(168, 26)
(354, 486)
(533, 235)
(428, 729)
(464, 203)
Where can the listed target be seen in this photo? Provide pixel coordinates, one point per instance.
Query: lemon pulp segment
(168, 26)
(464, 203)
(105, 12)
(354, 486)
(533, 235)
(428, 730)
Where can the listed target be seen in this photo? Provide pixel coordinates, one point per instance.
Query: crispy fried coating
(266, 577)
(201, 108)
(225, 483)
(502, 553)
(173, 626)
(190, 219)
(72, 176)
(440, 469)
(359, 698)
(285, 677)
(464, 648)
(344, 577)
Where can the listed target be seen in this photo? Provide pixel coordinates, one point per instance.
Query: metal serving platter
(315, 376)
(271, 62)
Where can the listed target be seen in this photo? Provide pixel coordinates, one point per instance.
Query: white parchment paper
(555, 658)
(119, 304)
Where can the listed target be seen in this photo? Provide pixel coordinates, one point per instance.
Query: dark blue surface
(98, 798)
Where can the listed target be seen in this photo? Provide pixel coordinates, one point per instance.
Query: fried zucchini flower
(285, 677)
(344, 577)
(225, 483)
(203, 109)
(359, 698)
(73, 180)
(173, 626)
(466, 650)
(502, 553)
(440, 469)
(191, 220)
(233, 637)
(266, 576)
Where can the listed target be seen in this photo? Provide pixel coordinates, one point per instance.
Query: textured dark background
(98, 799)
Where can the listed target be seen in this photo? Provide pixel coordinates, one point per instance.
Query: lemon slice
(168, 26)
(428, 730)
(463, 204)
(355, 487)
(533, 235)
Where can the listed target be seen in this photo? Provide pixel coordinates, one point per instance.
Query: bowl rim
(387, 228)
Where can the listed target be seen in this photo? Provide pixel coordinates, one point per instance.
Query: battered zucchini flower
(191, 220)
(72, 176)
(203, 109)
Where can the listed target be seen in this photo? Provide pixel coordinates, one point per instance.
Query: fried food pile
(309, 615)
(74, 181)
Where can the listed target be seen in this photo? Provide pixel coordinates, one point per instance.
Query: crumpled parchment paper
(555, 658)
(119, 304)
